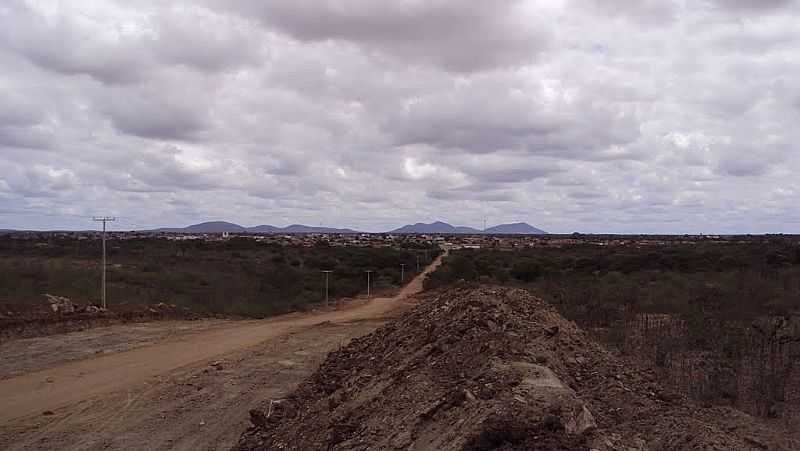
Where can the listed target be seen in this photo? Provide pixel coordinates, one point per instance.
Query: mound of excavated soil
(61, 315)
(480, 368)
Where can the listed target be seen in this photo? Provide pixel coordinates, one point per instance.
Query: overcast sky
(573, 115)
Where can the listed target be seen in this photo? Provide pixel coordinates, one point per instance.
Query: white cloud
(625, 116)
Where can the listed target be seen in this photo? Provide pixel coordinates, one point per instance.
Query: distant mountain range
(519, 228)
(229, 227)
(441, 228)
(434, 227)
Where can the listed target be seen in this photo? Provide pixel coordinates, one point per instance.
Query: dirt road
(165, 395)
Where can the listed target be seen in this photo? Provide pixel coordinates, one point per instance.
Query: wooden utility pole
(104, 220)
(327, 274)
(368, 284)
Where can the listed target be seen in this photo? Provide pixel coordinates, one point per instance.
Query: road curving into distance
(65, 384)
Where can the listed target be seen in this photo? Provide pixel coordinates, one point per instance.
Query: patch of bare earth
(485, 368)
(26, 355)
(200, 407)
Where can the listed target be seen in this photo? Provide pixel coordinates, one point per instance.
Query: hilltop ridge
(438, 227)
(229, 227)
(491, 368)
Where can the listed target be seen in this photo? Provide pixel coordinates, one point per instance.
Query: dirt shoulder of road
(28, 355)
(200, 407)
(55, 315)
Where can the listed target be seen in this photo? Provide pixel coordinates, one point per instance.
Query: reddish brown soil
(480, 368)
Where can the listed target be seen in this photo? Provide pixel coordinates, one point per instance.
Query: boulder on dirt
(581, 423)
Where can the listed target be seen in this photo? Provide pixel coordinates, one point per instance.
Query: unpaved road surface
(34, 354)
(169, 388)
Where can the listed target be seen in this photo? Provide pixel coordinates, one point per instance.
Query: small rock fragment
(581, 423)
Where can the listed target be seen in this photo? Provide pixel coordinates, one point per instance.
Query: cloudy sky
(573, 115)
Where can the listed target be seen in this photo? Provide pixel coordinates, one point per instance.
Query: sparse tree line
(721, 321)
(239, 276)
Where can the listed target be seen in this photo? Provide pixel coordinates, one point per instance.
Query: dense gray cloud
(516, 111)
(622, 116)
(452, 34)
(159, 110)
(115, 47)
(753, 5)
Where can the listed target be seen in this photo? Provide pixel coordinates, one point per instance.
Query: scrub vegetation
(239, 276)
(719, 319)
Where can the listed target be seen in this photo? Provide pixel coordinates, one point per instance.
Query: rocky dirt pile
(58, 314)
(481, 368)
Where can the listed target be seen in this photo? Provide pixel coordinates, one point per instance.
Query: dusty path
(131, 395)
(29, 355)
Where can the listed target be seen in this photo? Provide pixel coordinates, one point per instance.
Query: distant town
(395, 240)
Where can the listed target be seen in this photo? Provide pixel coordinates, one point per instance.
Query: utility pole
(417, 262)
(368, 286)
(104, 220)
(402, 272)
(327, 274)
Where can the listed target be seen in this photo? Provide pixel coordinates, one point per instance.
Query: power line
(36, 212)
(130, 223)
(32, 212)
